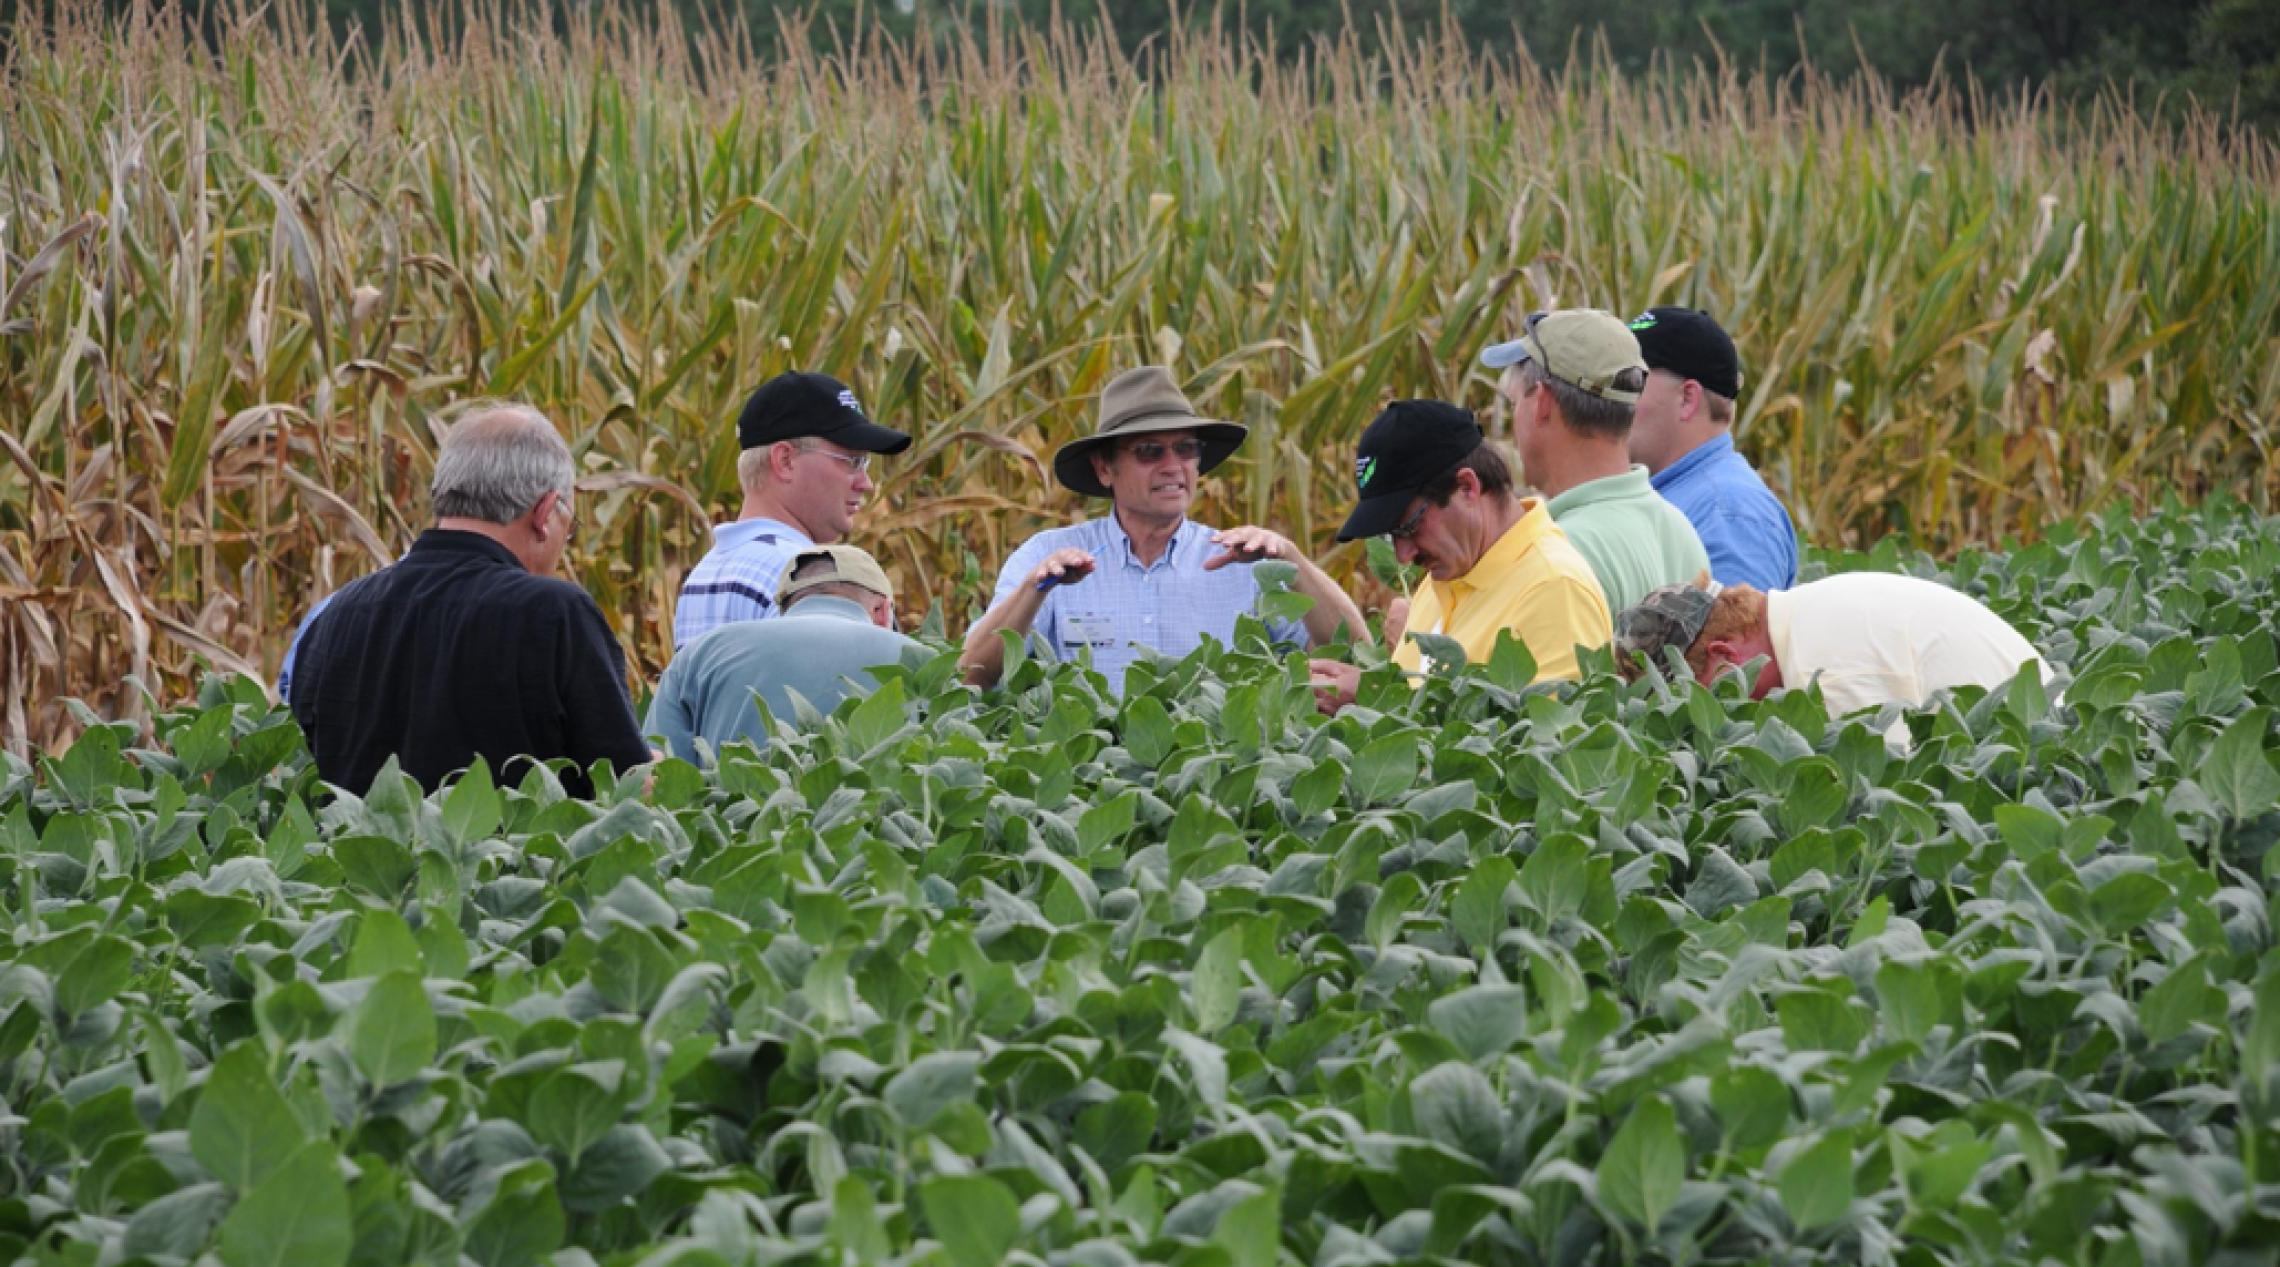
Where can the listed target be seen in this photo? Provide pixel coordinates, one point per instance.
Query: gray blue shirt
(1169, 605)
(823, 649)
(1743, 526)
(736, 580)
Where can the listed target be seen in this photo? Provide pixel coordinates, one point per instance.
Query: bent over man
(805, 470)
(1144, 575)
(1869, 638)
(838, 623)
(468, 646)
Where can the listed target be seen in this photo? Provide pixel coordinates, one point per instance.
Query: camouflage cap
(1672, 616)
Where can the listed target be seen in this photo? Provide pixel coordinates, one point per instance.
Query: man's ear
(1690, 402)
(541, 515)
(1468, 481)
(1718, 655)
(781, 454)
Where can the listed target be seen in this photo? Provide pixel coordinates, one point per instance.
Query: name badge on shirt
(1079, 630)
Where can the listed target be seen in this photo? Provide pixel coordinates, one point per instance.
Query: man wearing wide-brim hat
(1144, 575)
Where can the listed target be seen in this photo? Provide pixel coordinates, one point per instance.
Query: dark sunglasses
(1407, 528)
(1154, 450)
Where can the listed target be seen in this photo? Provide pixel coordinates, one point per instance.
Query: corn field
(243, 282)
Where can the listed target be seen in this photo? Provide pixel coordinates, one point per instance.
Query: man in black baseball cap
(805, 469)
(1682, 432)
(1497, 563)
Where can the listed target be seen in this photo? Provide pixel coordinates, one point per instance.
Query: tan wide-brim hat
(1134, 403)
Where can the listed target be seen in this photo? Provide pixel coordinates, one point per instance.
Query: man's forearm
(982, 661)
(1333, 611)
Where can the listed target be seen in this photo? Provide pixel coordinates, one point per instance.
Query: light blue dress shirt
(293, 650)
(736, 580)
(1744, 527)
(1169, 605)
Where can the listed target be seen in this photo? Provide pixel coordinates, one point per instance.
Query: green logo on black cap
(1364, 468)
(1644, 321)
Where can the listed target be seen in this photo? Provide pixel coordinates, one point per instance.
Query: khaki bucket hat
(1134, 403)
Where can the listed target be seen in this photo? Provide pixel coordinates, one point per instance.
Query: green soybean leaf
(522, 1223)
(384, 943)
(1383, 769)
(1482, 1020)
(1218, 982)
(931, 1084)
(2237, 771)
(471, 808)
(297, 1216)
(242, 1128)
(974, 1216)
(392, 1034)
(1645, 1164)
(1817, 1184)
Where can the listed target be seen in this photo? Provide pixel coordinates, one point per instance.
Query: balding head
(496, 462)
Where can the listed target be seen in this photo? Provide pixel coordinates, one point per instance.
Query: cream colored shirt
(1874, 638)
(1532, 582)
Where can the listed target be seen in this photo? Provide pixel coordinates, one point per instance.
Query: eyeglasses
(1407, 528)
(861, 462)
(1154, 450)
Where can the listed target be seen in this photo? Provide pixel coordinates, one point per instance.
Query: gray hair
(496, 462)
(1582, 411)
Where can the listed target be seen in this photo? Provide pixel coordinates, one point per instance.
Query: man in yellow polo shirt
(1431, 481)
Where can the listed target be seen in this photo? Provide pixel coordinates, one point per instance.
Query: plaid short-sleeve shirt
(736, 580)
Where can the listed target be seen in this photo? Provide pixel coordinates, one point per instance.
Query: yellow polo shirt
(1532, 582)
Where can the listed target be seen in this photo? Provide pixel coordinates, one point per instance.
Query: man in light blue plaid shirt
(805, 470)
(1144, 575)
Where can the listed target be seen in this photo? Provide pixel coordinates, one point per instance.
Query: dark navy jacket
(454, 652)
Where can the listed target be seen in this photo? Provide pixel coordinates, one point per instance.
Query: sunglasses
(1407, 528)
(1154, 450)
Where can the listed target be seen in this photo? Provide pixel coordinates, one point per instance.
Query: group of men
(1646, 528)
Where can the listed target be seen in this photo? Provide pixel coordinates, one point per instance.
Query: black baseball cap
(798, 404)
(1686, 342)
(1407, 447)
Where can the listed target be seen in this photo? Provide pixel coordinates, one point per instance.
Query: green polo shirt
(1633, 539)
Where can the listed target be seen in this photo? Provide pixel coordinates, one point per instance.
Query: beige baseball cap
(849, 566)
(1587, 348)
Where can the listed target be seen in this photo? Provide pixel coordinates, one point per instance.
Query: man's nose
(1404, 550)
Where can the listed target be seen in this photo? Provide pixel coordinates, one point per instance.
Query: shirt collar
(1535, 520)
(1700, 456)
(728, 536)
(1607, 488)
(830, 607)
(456, 541)
(1119, 537)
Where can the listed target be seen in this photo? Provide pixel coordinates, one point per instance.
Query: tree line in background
(2223, 53)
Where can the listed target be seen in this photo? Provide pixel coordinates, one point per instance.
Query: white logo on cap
(847, 400)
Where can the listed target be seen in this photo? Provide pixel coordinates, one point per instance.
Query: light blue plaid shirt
(1169, 606)
(736, 580)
